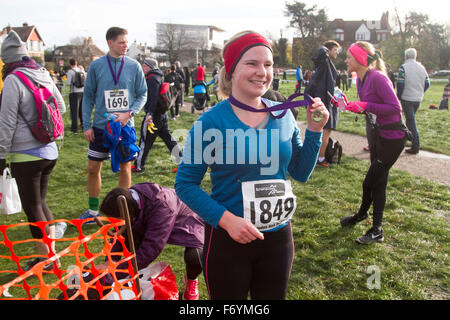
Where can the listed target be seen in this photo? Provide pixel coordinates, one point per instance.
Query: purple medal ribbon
(116, 79)
(288, 104)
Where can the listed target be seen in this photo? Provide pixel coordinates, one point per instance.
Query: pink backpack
(49, 125)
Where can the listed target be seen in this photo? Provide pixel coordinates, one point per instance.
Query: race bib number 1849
(268, 203)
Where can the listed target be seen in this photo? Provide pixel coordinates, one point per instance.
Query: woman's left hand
(320, 107)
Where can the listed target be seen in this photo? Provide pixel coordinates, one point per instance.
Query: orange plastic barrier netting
(79, 252)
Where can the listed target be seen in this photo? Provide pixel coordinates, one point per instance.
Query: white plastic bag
(158, 282)
(9, 194)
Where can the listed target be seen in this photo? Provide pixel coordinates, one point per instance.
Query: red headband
(238, 47)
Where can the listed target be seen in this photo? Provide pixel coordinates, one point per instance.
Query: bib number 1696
(117, 103)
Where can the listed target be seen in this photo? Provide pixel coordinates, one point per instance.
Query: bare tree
(171, 40)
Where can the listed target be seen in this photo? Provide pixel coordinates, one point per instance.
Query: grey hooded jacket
(15, 134)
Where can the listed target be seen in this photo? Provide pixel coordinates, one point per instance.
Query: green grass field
(412, 263)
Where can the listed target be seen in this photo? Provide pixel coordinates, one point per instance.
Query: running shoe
(412, 150)
(34, 262)
(323, 163)
(136, 170)
(350, 221)
(89, 214)
(60, 228)
(190, 289)
(372, 235)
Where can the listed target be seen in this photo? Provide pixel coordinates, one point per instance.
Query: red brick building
(29, 35)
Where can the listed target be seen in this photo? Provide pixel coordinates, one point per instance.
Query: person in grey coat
(159, 217)
(32, 161)
(412, 83)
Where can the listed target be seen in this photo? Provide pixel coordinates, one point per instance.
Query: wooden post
(124, 213)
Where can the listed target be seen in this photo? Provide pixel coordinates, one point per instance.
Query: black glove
(2, 165)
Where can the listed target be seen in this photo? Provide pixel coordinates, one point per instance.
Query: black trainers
(350, 221)
(34, 262)
(372, 235)
(412, 150)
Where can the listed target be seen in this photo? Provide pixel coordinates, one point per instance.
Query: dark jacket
(174, 77)
(163, 219)
(323, 79)
(154, 80)
(187, 81)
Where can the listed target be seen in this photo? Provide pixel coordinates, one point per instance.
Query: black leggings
(383, 154)
(193, 261)
(32, 181)
(147, 139)
(262, 267)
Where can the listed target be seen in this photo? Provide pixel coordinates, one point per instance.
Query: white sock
(93, 212)
(321, 159)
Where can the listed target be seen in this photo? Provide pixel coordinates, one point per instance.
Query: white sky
(59, 21)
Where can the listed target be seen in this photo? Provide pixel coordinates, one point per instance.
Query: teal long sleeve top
(235, 153)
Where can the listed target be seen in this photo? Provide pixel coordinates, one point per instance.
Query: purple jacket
(163, 218)
(378, 92)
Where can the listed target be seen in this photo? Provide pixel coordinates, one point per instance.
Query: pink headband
(359, 54)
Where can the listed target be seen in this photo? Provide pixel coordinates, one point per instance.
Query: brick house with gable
(85, 53)
(373, 31)
(29, 35)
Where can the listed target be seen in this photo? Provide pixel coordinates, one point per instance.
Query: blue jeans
(409, 109)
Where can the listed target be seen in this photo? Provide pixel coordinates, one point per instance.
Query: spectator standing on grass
(215, 82)
(180, 99)
(115, 84)
(299, 77)
(412, 83)
(377, 96)
(321, 84)
(154, 113)
(187, 83)
(32, 161)
(174, 77)
(75, 95)
(344, 80)
(445, 96)
(243, 247)
(198, 75)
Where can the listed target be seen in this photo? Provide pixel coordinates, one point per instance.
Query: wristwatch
(132, 113)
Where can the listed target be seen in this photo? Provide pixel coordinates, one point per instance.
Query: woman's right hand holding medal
(317, 115)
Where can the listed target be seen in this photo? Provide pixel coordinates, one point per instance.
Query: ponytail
(374, 56)
(379, 62)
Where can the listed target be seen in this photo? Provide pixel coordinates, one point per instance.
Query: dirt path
(431, 166)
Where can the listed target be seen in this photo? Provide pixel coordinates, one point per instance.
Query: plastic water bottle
(110, 116)
(339, 96)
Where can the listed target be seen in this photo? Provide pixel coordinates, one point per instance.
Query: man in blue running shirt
(115, 84)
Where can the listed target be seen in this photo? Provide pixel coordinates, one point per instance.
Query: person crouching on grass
(378, 97)
(247, 250)
(158, 217)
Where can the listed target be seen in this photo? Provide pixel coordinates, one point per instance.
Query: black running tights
(193, 261)
(383, 157)
(32, 181)
(261, 267)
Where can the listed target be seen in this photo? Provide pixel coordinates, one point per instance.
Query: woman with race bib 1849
(248, 244)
